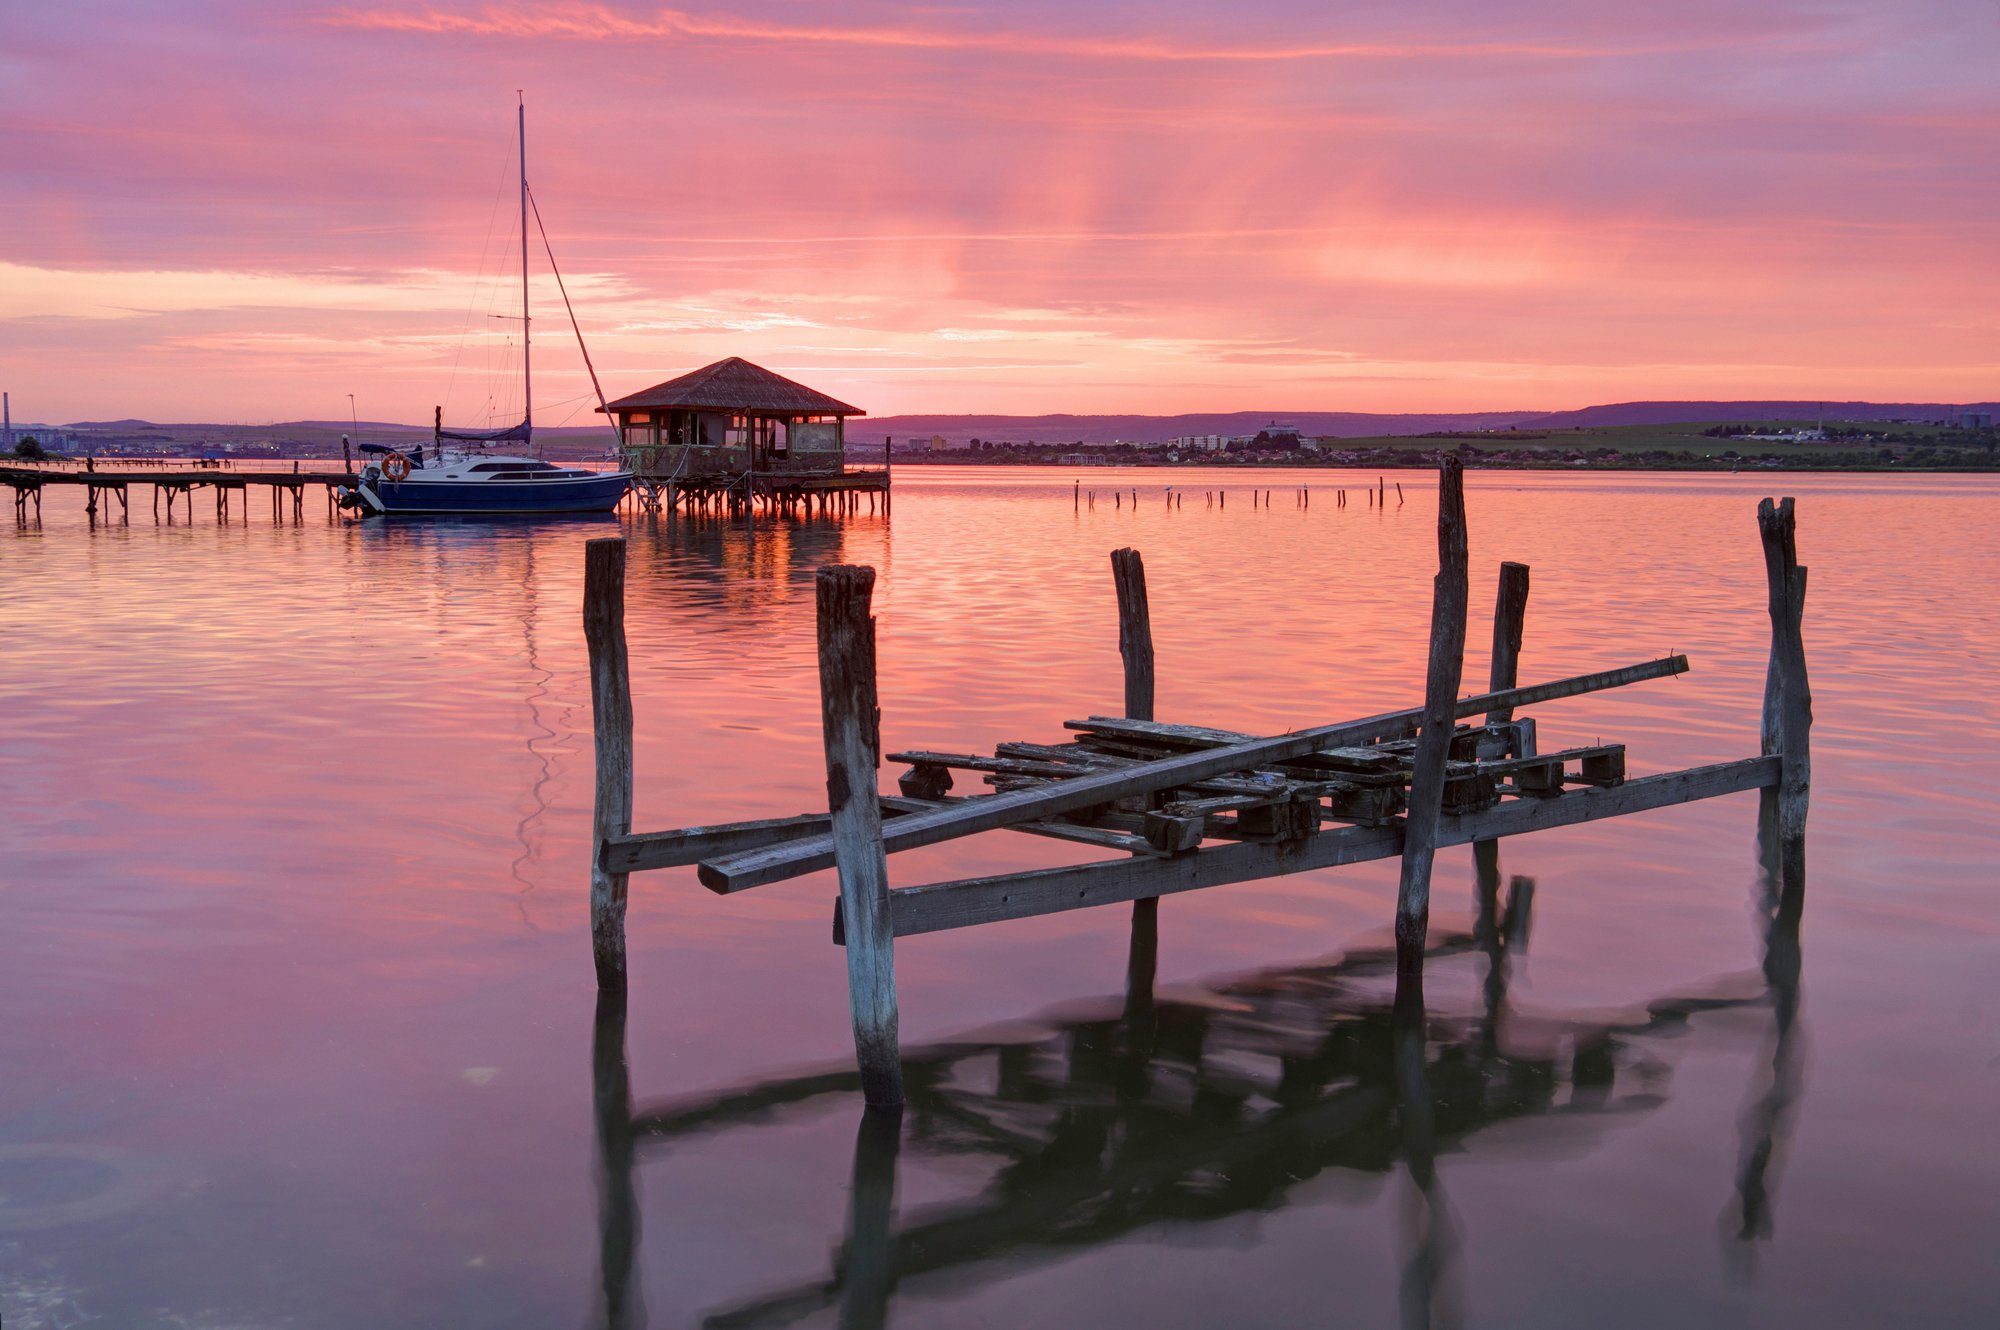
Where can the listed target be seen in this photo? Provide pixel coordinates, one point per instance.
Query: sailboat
(460, 477)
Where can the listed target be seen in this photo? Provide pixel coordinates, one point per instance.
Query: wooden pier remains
(174, 481)
(1183, 807)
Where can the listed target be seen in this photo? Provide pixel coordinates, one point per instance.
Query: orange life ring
(395, 466)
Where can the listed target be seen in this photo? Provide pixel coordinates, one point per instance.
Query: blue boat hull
(590, 494)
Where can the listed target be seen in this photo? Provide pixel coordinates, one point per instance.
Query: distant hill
(1358, 424)
(957, 430)
(1694, 413)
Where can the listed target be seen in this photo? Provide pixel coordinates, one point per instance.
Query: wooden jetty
(1184, 807)
(174, 481)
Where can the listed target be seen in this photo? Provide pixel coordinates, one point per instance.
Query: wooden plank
(851, 721)
(611, 723)
(777, 863)
(688, 845)
(1433, 752)
(963, 903)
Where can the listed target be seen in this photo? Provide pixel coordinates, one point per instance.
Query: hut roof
(737, 385)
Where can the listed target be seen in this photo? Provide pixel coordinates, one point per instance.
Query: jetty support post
(851, 718)
(1787, 722)
(1135, 648)
(1510, 615)
(611, 722)
(1447, 660)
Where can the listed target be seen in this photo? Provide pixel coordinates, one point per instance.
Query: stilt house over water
(732, 419)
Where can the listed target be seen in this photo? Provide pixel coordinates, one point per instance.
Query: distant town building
(1211, 443)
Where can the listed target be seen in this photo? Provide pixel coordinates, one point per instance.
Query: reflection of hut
(732, 419)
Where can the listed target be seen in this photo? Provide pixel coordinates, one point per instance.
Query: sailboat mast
(527, 379)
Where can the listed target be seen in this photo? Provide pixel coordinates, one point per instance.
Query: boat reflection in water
(1189, 1107)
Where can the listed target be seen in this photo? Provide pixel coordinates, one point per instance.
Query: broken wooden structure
(1183, 807)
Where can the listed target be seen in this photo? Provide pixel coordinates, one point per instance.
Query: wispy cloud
(600, 23)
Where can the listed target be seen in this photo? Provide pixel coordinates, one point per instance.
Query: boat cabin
(732, 418)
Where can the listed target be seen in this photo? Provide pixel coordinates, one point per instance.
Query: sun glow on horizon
(1016, 208)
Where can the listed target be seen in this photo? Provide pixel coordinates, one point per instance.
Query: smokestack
(7, 421)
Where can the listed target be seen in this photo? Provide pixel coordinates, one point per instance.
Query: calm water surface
(297, 1014)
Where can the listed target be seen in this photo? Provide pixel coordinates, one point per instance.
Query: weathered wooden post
(611, 721)
(1510, 615)
(1135, 648)
(851, 718)
(1510, 618)
(1447, 660)
(1787, 721)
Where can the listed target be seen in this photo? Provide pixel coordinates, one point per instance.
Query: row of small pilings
(1176, 497)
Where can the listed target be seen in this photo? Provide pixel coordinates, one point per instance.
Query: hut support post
(851, 717)
(1787, 728)
(1135, 647)
(611, 719)
(1447, 660)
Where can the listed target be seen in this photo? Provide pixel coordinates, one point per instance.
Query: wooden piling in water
(1510, 613)
(1447, 659)
(1135, 649)
(851, 719)
(1510, 617)
(611, 723)
(1787, 718)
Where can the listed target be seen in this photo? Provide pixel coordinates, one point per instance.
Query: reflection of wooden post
(852, 719)
(617, 1188)
(1787, 728)
(871, 1206)
(1135, 647)
(611, 719)
(1425, 1288)
(1447, 660)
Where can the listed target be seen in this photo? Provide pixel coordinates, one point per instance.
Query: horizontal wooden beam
(689, 845)
(641, 851)
(752, 868)
(960, 904)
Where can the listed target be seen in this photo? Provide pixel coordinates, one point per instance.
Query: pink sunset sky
(238, 212)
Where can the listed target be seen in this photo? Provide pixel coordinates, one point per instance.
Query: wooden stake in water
(1787, 727)
(851, 720)
(1135, 648)
(611, 722)
(1447, 660)
(1510, 617)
